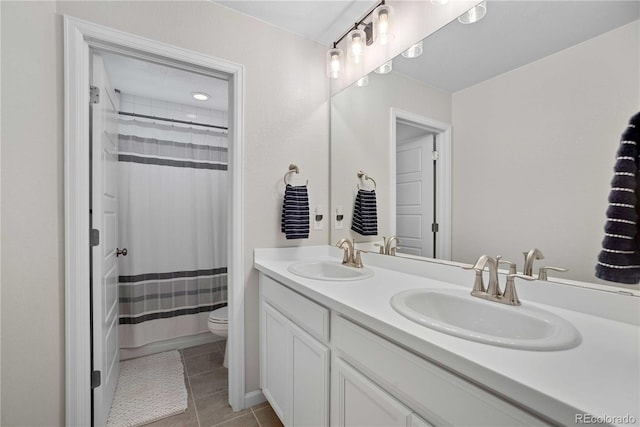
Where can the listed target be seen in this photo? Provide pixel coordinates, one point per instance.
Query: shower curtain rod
(144, 116)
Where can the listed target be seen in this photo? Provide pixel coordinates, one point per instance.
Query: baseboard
(172, 344)
(253, 398)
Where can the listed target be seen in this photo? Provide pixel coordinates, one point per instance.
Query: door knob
(122, 252)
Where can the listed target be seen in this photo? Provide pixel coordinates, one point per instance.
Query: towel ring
(366, 177)
(293, 168)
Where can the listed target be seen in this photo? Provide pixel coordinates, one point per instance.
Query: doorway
(159, 194)
(81, 38)
(420, 185)
(416, 190)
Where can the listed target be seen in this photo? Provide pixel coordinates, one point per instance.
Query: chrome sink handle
(512, 265)
(510, 296)
(542, 273)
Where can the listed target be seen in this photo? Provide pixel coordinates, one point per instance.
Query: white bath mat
(149, 388)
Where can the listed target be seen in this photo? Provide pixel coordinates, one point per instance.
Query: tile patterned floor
(206, 381)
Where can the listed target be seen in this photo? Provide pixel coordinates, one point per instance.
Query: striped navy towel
(619, 260)
(365, 215)
(295, 212)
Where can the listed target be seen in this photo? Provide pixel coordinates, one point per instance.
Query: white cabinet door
(274, 359)
(309, 380)
(294, 371)
(357, 401)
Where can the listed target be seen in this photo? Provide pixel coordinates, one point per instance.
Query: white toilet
(219, 325)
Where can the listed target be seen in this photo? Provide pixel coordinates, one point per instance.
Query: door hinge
(95, 379)
(434, 227)
(435, 155)
(94, 237)
(94, 94)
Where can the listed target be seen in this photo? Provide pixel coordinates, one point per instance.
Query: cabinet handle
(122, 252)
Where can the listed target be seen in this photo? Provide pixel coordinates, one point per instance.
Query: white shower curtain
(172, 220)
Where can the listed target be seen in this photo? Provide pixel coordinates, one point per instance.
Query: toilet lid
(219, 315)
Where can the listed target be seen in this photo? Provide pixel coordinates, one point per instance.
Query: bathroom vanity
(333, 350)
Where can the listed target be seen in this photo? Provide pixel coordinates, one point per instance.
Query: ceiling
(513, 33)
(156, 81)
(320, 21)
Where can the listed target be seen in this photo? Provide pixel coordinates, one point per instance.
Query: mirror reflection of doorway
(421, 185)
(416, 184)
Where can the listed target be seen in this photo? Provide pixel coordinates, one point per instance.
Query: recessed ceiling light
(200, 96)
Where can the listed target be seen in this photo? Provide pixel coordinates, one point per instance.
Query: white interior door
(414, 196)
(104, 209)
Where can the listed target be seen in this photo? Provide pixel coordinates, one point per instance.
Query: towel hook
(293, 168)
(361, 175)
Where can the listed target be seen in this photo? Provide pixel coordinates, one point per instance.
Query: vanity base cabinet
(294, 366)
(358, 402)
(437, 395)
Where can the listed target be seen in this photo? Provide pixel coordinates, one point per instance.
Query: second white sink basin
(457, 313)
(329, 270)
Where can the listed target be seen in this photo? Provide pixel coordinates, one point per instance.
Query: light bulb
(335, 66)
(334, 63)
(383, 28)
(382, 24)
(355, 45)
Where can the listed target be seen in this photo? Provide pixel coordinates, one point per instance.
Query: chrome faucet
(493, 292)
(529, 257)
(387, 247)
(351, 255)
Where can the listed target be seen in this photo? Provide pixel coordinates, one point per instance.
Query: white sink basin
(456, 312)
(329, 270)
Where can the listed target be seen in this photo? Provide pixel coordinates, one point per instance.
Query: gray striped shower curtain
(172, 220)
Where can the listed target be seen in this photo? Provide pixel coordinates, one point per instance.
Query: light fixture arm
(357, 24)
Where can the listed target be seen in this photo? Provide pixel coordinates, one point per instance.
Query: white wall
(32, 217)
(360, 132)
(286, 116)
(534, 150)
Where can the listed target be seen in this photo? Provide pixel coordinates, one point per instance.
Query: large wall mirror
(503, 133)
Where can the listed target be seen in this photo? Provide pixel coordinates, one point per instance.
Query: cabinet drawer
(305, 313)
(439, 396)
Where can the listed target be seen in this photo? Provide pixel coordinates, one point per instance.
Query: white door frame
(79, 37)
(443, 176)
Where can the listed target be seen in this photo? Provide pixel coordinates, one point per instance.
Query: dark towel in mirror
(365, 213)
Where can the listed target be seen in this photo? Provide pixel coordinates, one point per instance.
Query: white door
(414, 196)
(104, 209)
(358, 402)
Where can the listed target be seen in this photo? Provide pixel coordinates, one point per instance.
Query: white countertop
(601, 376)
